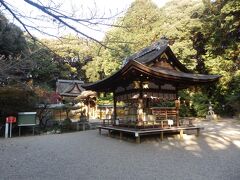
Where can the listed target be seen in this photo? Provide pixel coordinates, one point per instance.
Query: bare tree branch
(61, 21)
(14, 15)
(52, 11)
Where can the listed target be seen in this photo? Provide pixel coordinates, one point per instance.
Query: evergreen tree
(221, 24)
(138, 31)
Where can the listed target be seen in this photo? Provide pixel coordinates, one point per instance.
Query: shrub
(200, 104)
(14, 99)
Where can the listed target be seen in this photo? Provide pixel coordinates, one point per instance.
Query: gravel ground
(215, 155)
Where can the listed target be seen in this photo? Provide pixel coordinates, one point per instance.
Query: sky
(81, 8)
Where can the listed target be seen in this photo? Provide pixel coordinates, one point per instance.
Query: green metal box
(27, 118)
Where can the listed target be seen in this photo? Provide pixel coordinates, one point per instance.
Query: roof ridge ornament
(164, 41)
(125, 61)
(158, 45)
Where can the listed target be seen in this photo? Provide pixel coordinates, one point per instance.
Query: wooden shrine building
(146, 78)
(69, 88)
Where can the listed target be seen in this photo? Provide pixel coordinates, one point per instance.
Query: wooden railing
(164, 113)
(107, 122)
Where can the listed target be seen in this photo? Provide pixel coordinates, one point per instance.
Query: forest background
(204, 35)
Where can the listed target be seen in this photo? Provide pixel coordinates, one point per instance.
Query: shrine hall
(147, 78)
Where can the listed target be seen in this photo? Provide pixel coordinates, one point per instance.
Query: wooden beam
(146, 90)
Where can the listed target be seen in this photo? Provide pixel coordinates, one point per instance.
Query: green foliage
(186, 111)
(66, 124)
(71, 53)
(143, 24)
(165, 104)
(221, 30)
(204, 36)
(17, 98)
(44, 70)
(140, 22)
(200, 104)
(233, 95)
(137, 32)
(181, 20)
(12, 40)
(101, 66)
(105, 99)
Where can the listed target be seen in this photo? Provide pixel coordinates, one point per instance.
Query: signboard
(11, 119)
(27, 118)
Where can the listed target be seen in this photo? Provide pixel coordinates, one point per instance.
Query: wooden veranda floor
(137, 133)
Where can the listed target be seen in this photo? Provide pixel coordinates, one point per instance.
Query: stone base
(212, 117)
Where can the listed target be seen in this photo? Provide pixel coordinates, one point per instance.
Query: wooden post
(88, 108)
(109, 132)
(177, 105)
(198, 132)
(137, 135)
(33, 130)
(121, 135)
(100, 130)
(177, 117)
(19, 130)
(114, 108)
(140, 108)
(181, 134)
(140, 105)
(161, 135)
(138, 141)
(84, 127)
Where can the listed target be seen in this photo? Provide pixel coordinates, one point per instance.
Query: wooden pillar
(114, 108)
(60, 115)
(100, 111)
(198, 132)
(100, 130)
(137, 136)
(19, 130)
(177, 105)
(120, 135)
(88, 108)
(140, 104)
(138, 141)
(161, 135)
(95, 111)
(177, 118)
(181, 134)
(83, 125)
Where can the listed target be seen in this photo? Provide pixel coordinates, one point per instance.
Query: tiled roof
(69, 87)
